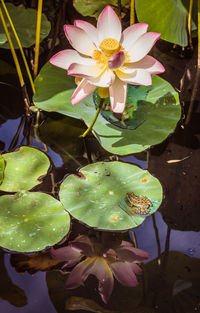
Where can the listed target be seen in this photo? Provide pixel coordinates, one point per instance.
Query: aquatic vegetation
(107, 58)
(118, 260)
(52, 197)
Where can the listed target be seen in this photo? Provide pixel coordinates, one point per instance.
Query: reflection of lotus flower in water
(103, 261)
(108, 58)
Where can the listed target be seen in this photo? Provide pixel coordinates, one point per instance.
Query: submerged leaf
(41, 261)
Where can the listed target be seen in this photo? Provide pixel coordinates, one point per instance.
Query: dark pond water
(171, 280)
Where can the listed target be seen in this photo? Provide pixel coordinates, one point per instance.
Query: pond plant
(127, 109)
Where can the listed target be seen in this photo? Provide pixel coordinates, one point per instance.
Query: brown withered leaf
(39, 261)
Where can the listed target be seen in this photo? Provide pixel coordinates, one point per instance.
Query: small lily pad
(97, 196)
(23, 169)
(31, 221)
(2, 167)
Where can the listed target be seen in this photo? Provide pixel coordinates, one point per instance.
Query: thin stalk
(37, 37)
(19, 72)
(94, 119)
(19, 44)
(132, 12)
(195, 88)
(134, 238)
(189, 23)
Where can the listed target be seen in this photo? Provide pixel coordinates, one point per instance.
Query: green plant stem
(195, 88)
(189, 23)
(19, 44)
(17, 65)
(132, 12)
(37, 37)
(94, 119)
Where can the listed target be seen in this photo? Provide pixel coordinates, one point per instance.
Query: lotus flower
(108, 58)
(104, 261)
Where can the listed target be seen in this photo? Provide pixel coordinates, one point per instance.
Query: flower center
(109, 46)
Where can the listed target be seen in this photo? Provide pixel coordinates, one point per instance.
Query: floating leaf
(31, 221)
(94, 8)
(160, 101)
(23, 169)
(166, 17)
(95, 196)
(2, 167)
(24, 21)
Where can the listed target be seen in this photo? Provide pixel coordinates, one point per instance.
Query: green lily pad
(162, 110)
(97, 196)
(24, 21)
(94, 8)
(3, 38)
(31, 221)
(166, 17)
(23, 170)
(2, 167)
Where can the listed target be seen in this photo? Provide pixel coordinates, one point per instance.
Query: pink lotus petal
(132, 33)
(95, 266)
(116, 60)
(84, 245)
(83, 90)
(118, 93)
(139, 77)
(108, 25)
(79, 39)
(131, 254)
(148, 63)
(89, 29)
(106, 79)
(142, 46)
(123, 272)
(65, 58)
(136, 269)
(79, 274)
(85, 71)
(66, 254)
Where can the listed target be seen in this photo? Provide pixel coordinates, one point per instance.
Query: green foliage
(94, 7)
(166, 17)
(160, 101)
(23, 169)
(31, 221)
(97, 196)
(24, 21)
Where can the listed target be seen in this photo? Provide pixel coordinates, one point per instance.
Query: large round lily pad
(23, 169)
(24, 21)
(162, 110)
(98, 195)
(31, 221)
(2, 167)
(173, 24)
